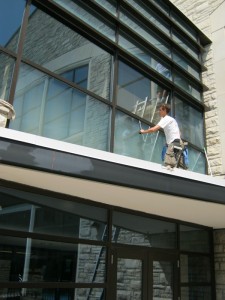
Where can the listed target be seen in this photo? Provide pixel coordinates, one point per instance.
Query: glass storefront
(55, 248)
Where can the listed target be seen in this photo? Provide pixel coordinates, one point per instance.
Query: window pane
(47, 261)
(82, 11)
(196, 292)
(197, 161)
(194, 268)
(144, 55)
(10, 22)
(48, 215)
(184, 25)
(194, 239)
(50, 294)
(77, 59)
(128, 142)
(193, 51)
(163, 280)
(134, 90)
(47, 107)
(190, 123)
(185, 84)
(144, 32)
(150, 15)
(6, 71)
(129, 271)
(135, 230)
(186, 65)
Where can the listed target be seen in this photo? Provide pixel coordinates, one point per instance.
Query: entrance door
(144, 275)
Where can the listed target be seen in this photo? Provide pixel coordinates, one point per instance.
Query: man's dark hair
(165, 107)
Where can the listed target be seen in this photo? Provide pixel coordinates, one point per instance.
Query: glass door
(143, 275)
(163, 276)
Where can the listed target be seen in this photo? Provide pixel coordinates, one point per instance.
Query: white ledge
(104, 155)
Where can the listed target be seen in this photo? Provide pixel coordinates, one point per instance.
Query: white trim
(105, 156)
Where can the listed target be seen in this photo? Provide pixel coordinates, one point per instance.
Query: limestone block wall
(200, 12)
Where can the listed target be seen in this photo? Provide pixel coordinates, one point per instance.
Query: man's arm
(150, 130)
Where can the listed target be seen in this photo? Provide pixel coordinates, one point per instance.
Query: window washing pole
(208, 162)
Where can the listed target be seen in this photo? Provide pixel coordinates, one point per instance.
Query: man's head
(164, 109)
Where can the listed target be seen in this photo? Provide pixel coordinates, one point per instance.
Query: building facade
(87, 210)
(209, 17)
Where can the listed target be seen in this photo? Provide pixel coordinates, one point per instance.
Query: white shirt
(170, 127)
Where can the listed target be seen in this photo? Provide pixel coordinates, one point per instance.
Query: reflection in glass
(47, 107)
(150, 15)
(128, 142)
(135, 230)
(194, 239)
(144, 55)
(51, 293)
(180, 40)
(194, 268)
(186, 85)
(196, 292)
(190, 122)
(184, 25)
(6, 71)
(197, 161)
(129, 279)
(144, 32)
(59, 218)
(163, 280)
(47, 261)
(76, 59)
(186, 65)
(81, 10)
(134, 90)
(10, 22)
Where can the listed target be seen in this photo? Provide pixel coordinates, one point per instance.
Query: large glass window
(186, 65)
(50, 108)
(6, 71)
(145, 32)
(194, 239)
(52, 293)
(48, 261)
(128, 142)
(62, 50)
(150, 15)
(186, 45)
(184, 25)
(186, 85)
(144, 55)
(11, 14)
(197, 161)
(49, 216)
(136, 230)
(190, 122)
(196, 292)
(140, 95)
(195, 268)
(81, 10)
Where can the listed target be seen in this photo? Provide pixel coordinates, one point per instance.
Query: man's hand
(141, 131)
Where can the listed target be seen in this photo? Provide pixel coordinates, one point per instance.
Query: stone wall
(199, 11)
